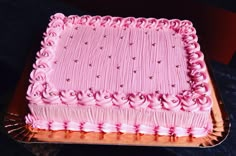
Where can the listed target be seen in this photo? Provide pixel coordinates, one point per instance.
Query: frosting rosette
(44, 53)
(116, 21)
(197, 56)
(186, 30)
(86, 98)
(84, 19)
(103, 98)
(106, 20)
(51, 32)
(138, 100)
(174, 24)
(198, 76)
(128, 22)
(204, 102)
(71, 20)
(154, 101)
(163, 23)
(190, 38)
(38, 75)
(48, 42)
(34, 93)
(41, 64)
(201, 88)
(151, 23)
(57, 24)
(120, 99)
(192, 47)
(171, 102)
(58, 16)
(188, 101)
(197, 66)
(186, 23)
(74, 19)
(51, 96)
(94, 20)
(141, 22)
(68, 97)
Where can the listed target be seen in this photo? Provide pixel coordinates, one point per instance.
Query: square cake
(114, 74)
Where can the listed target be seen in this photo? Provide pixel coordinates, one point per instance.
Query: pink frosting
(186, 23)
(179, 131)
(163, 130)
(38, 76)
(120, 100)
(202, 88)
(171, 102)
(45, 56)
(71, 20)
(108, 128)
(68, 97)
(86, 98)
(199, 76)
(103, 99)
(141, 22)
(56, 125)
(189, 102)
(174, 24)
(122, 127)
(197, 56)
(195, 99)
(58, 16)
(204, 102)
(51, 96)
(29, 119)
(41, 64)
(163, 23)
(34, 93)
(146, 129)
(138, 100)
(106, 20)
(73, 126)
(91, 127)
(155, 101)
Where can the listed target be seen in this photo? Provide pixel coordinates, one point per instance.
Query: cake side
(97, 119)
(196, 99)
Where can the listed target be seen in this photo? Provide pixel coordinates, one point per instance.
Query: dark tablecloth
(22, 24)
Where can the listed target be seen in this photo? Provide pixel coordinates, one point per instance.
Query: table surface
(23, 23)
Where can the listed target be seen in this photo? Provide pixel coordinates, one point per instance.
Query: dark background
(22, 23)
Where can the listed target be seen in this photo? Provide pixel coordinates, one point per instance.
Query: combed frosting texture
(128, 62)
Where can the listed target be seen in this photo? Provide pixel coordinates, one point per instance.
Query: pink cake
(113, 74)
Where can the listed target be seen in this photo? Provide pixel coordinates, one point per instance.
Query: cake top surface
(120, 59)
(121, 55)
